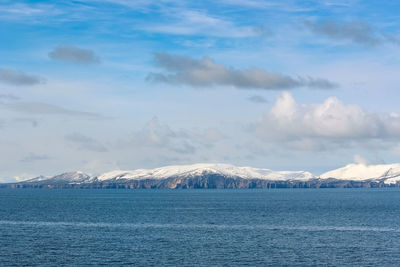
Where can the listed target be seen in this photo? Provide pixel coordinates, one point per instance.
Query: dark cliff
(205, 182)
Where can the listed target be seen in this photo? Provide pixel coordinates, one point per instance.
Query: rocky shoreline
(205, 182)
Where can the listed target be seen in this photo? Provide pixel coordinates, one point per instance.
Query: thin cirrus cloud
(181, 70)
(331, 120)
(49, 109)
(73, 54)
(19, 78)
(196, 23)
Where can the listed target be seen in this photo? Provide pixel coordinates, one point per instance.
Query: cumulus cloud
(358, 32)
(83, 142)
(49, 109)
(331, 120)
(205, 72)
(19, 78)
(74, 54)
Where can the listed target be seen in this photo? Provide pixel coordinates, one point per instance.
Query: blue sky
(286, 85)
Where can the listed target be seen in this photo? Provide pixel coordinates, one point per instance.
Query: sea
(289, 227)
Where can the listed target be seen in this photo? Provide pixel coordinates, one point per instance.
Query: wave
(310, 228)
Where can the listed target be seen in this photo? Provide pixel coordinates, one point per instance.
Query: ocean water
(335, 227)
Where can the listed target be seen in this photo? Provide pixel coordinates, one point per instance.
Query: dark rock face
(212, 181)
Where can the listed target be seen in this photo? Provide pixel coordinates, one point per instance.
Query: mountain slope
(202, 169)
(206, 175)
(359, 172)
(68, 177)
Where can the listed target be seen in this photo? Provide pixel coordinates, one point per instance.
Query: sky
(116, 84)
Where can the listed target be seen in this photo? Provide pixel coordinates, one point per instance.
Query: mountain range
(205, 175)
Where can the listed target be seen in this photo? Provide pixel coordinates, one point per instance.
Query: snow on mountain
(68, 177)
(360, 172)
(389, 173)
(37, 179)
(205, 168)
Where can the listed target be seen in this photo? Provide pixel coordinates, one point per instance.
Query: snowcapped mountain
(207, 175)
(202, 169)
(359, 172)
(68, 177)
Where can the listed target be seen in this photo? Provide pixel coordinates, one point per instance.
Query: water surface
(200, 227)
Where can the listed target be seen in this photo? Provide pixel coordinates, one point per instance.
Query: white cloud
(192, 22)
(20, 9)
(252, 3)
(331, 120)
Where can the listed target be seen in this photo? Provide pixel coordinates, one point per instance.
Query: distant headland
(221, 176)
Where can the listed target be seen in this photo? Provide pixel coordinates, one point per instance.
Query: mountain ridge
(219, 175)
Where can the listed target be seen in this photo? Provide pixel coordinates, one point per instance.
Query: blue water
(199, 227)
